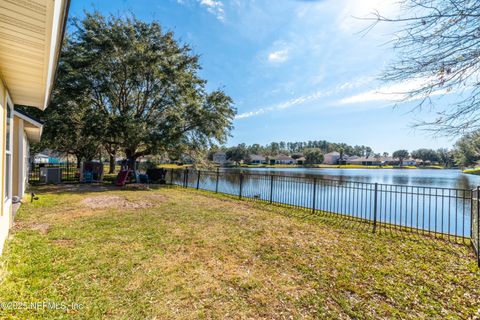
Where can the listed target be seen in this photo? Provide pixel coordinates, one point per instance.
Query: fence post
(271, 189)
(478, 226)
(472, 194)
(171, 176)
(68, 170)
(185, 178)
(198, 179)
(314, 194)
(375, 208)
(241, 186)
(216, 182)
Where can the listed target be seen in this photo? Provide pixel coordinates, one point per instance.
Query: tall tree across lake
(141, 87)
(401, 155)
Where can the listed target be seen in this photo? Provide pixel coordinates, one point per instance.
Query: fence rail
(451, 214)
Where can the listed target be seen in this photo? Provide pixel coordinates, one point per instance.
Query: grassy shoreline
(175, 253)
(474, 171)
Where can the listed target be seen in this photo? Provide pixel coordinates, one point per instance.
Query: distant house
(220, 158)
(331, 158)
(40, 158)
(365, 161)
(256, 159)
(301, 160)
(47, 157)
(282, 159)
(390, 161)
(409, 162)
(381, 161)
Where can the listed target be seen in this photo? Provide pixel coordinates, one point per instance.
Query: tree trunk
(112, 164)
(79, 161)
(131, 162)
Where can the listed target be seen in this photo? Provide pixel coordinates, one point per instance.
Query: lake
(437, 202)
(446, 178)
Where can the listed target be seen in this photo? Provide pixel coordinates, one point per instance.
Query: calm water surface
(412, 177)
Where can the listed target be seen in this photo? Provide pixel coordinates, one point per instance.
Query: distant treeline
(441, 156)
(276, 148)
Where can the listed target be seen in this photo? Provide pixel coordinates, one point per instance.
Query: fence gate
(475, 217)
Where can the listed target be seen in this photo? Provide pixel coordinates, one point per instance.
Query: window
(8, 151)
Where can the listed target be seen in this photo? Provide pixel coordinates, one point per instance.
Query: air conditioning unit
(51, 175)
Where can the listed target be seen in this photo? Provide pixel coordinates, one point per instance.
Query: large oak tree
(140, 88)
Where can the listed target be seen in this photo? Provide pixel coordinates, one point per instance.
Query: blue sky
(297, 70)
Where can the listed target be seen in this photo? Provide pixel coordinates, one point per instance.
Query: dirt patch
(43, 228)
(119, 202)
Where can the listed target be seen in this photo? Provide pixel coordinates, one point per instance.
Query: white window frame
(8, 152)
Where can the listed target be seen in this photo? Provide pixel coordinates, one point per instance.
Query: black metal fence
(69, 171)
(451, 214)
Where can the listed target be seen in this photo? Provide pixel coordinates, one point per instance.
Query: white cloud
(285, 105)
(278, 56)
(215, 7)
(306, 98)
(397, 92)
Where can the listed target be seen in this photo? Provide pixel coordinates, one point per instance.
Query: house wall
(20, 158)
(331, 159)
(5, 206)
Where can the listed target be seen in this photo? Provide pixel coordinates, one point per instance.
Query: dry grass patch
(114, 202)
(141, 201)
(43, 228)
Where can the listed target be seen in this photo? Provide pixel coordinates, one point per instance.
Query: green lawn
(173, 253)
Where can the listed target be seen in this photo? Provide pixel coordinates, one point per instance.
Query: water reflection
(411, 177)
